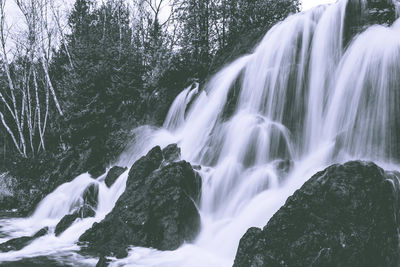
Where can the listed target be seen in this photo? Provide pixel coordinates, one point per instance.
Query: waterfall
(259, 128)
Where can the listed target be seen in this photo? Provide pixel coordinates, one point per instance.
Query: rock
(156, 210)
(171, 153)
(65, 222)
(8, 185)
(41, 232)
(103, 262)
(84, 212)
(21, 242)
(113, 175)
(91, 195)
(345, 215)
(362, 14)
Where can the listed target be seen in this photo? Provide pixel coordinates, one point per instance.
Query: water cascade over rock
(156, 210)
(321, 88)
(346, 215)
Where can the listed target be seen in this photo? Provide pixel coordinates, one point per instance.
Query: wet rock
(171, 153)
(21, 242)
(113, 175)
(156, 210)
(40, 261)
(91, 195)
(362, 14)
(65, 222)
(103, 262)
(87, 209)
(345, 215)
(84, 212)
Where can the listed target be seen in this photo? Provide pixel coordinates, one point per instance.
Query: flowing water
(261, 127)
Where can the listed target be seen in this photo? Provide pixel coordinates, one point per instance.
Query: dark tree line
(85, 83)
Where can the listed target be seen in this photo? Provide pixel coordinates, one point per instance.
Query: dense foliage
(112, 66)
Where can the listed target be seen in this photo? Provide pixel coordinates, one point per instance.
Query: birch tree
(26, 96)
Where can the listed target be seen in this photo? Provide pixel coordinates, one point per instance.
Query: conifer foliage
(81, 79)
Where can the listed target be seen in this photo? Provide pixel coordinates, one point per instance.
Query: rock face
(113, 175)
(361, 14)
(156, 210)
(8, 186)
(21, 242)
(171, 153)
(345, 215)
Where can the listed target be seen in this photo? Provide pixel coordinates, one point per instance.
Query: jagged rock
(84, 212)
(345, 215)
(171, 153)
(21, 242)
(156, 210)
(113, 175)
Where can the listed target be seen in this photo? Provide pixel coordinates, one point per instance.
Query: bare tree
(12, 108)
(29, 86)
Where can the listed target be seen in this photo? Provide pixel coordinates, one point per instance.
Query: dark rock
(41, 232)
(87, 209)
(156, 210)
(65, 222)
(91, 195)
(8, 185)
(103, 262)
(345, 215)
(40, 261)
(84, 212)
(171, 153)
(197, 167)
(21, 242)
(362, 14)
(113, 175)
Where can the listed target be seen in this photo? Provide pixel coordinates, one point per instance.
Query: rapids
(260, 128)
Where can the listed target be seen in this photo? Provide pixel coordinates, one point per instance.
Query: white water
(301, 98)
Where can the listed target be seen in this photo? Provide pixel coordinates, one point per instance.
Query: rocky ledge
(345, 215)
(158, 208)
(21, 242)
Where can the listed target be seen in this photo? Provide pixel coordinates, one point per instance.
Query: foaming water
(259, 129)
(64, 200)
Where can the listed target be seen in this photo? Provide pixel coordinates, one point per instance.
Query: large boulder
(21, 242)
(345, 215)
(113, 175)
(156, 210)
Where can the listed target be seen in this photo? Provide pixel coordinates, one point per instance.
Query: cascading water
(261, 127)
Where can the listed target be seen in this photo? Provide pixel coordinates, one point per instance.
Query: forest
(80, 80)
